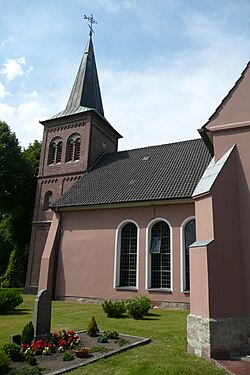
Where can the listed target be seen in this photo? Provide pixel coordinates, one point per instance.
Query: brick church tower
(73, 140)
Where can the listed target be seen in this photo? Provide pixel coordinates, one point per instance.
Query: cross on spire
(92, 22)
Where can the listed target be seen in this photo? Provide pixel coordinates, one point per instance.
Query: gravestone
(16, 338)
(42, 314)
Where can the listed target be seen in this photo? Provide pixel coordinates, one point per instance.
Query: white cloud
(34, 94)
(6, 112)
(3, 92)
(115, 6)
(24, 120)
(165, 105)
(13, 68)
(7, 41)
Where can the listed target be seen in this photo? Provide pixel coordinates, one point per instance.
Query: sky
(164, 66)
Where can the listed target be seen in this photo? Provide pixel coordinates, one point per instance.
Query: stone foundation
(218, 338)
(160, 304)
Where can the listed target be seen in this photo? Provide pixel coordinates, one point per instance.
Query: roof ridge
(158, 145)
(228, 96)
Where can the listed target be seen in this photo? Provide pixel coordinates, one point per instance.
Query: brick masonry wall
(64, 131)
(101, 141)
(96, 137)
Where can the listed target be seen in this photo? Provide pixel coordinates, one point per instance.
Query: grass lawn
(165, 355)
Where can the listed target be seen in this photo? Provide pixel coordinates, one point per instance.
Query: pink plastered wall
(241, 177)
(223, 258)
(86, 257)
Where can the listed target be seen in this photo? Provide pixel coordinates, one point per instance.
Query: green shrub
(114, 309)
(28, 333)
(29, 357)
(102, 339)
(9, 299)
(4, 362)
(12, 350)
(138, 307)
(10, 279)
(92, 329)
(111, 334)
(68, 356)
(145, 304)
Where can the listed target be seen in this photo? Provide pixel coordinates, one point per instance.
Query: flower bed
(52, 360)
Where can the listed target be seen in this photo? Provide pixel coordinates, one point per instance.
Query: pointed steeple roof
(85, 94)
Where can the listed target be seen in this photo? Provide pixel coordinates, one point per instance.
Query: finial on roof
(92, 21)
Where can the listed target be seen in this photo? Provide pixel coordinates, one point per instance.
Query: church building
(169, 221)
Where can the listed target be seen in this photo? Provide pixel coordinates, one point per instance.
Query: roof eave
(154, 202)
(51, 121)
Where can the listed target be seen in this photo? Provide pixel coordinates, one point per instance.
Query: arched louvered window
(55, 151)
(73, 151)
(160, 256)
(128, 255)
(59, 152)
(77, 148)
(189, 238)
(52, 153)
(47, 200)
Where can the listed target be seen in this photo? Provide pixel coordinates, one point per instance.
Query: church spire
(85, 94)
(86, 90)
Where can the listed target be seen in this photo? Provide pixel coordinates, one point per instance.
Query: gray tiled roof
(169, 171)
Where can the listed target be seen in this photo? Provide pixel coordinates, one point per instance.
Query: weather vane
(92, 22)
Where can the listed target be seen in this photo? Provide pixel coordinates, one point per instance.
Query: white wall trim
(148, 257)
(118, 252)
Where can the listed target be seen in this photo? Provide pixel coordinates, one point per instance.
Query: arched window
(52, 153)
(73, 150)
(55, 151)
(47, 200)
(77, 148)
(159, 262)
(126, 255)
(59, 152)
(189, 238)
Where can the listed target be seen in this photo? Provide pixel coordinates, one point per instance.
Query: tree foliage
(18, 171)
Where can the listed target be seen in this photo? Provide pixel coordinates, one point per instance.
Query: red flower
(62, 342)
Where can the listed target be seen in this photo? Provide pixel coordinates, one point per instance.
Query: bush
(4, 362)
(12, 350)
(111, 334)
(102, 339)
(145, 304)
(9, 299)
(28, 333)
(138, 307)
(29, 357)
(114, 309)
(68, 356)
(92, 329)
(10, 279)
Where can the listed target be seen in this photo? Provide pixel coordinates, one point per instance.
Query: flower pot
(81, 353)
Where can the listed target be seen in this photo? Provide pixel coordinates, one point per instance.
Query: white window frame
(117, 256)
(148, 256)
